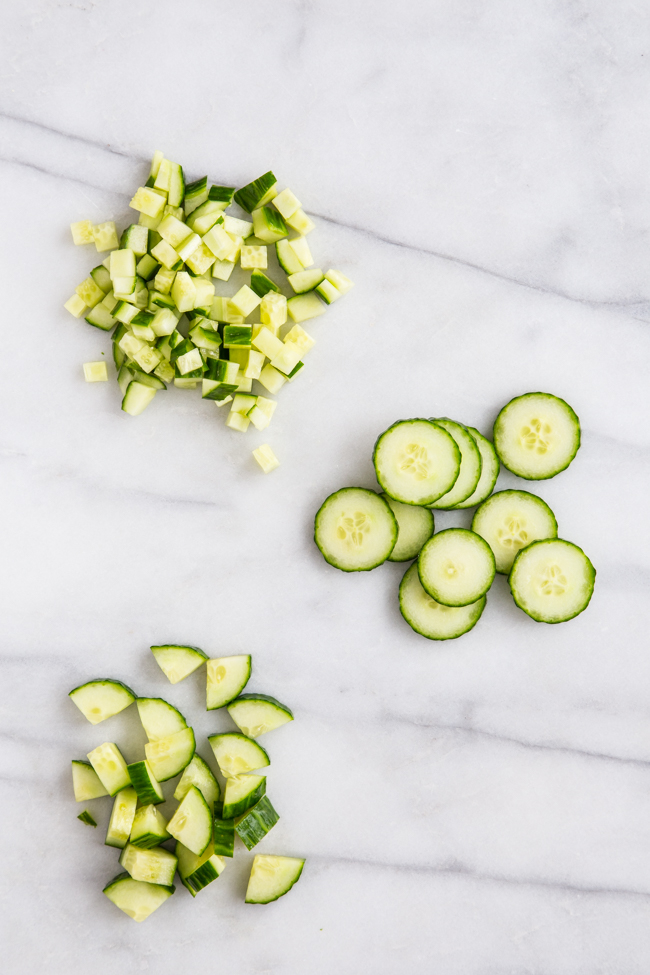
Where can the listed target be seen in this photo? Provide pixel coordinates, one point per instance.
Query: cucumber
(86, 783)
(227, 677)
(145, 783)
(489, 470)
(137, 398)
(552, 580)
(196, 872)
(471, 464)
(235, 753)
(255, 714)
(536, 435)
(198, 773)
(416, 461)
(169, 756)
(432, 619)
(191, 824)
(149, 828)
(121, 821)
(153, 866)
(136, 899)
(101, 699)
(177, 662)
(272, 877)
(223, 836)
(255, 194)
(110, 766)
(86, 818)
(355, 530)
(159, 719)
(303, 281)
(415, 526)
(256, 823)
(511, 520)
(456, 567)
(242, 792)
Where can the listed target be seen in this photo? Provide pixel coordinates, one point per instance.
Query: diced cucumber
(255, 194)
(489, 471)
(222, 195)
(416, 461)
(176, 185)
(268, 225)
(164, 322)
(355, 530)
(222, 269)
(305, 281)
(169, 756)
(147, 267)
(121, 821)
(196, 193)
(242, 792)
(415, 526)
(122, 264)
(137, 398)
(227, 677)
(287, 258)
(105, 236)
(271, 877)
(237, 336)
(198, 773)
(471, 464)
(287, 359)
(178, 662)
(328, 292)
(76, 306)
(149, 828)
(267, 343)
(300, 247)
(136, 899)
(245, 301)
(298, 336)
(201, 259)
(188, 247)
(167, 256)
(432, 619)
(87, 819)
(300, 222)
(174, 231)
(223, 835)
(536, 435)
(456, 567)
(253, 256)
(102, 278)
(236, 421)
(86, 783)
(197, 872)
(256, 822)
(191, 824)
(236, 753)
(273, 310)
(101, 699)
(82, 232)
(266, 458)
(340, 282)
(511, 520)
(145, 783)
(552, 580)
(303, 307)
(261, 284)
(152, 866)
(159, 719)
(261, 414)
(255, 714)
(110, 766)
(287, 203)
(135, 238)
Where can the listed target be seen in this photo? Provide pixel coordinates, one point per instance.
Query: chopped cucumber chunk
(86, 783)
(136, 899)
(177, 662)
(145, 783)
(303, 307)
(159, 719)
(108, 762)
(169, 756)
(191, 824)
(223, 836)
(149, 827)
(227, 677)
(198, 774)
(95, 372)
(271, 877)
(242, 792)
(255, 714)
(152, 866)
(196, 872)
(236, 753)
(101, 699)
(268, 225)
(261, 284)
(266, 458)
(82, 232)
(122, 816)
(305, 281)
(256, 822)
(257, 193)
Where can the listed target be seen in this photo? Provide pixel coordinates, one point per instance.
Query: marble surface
(480, 170)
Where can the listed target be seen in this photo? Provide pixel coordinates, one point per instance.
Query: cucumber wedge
(196, 872)
(456, 567)
(121, 821)
(145, 783)
(154, 866)
(255, 714)
(101, 699)
(432, 619)
(191, 824)
(159, 719)
(416, 461)
(536, 435)
(149, 828)
(110, 766)
(489, 470)
(136, 899)
(552, 580)
(242, 792)
(256, 822)
(227, 677)
(272, 877)
(235, 753)
(471, 464)
(415, 526)
(355, 530)
(86, 783)
(511, 520)
(198, 773)
(169, 756)
(178, 662)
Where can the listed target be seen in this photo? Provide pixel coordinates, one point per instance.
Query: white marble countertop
(480, 170)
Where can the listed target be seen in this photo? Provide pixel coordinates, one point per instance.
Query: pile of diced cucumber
(156, 293)
(207, 818)
(422, 465)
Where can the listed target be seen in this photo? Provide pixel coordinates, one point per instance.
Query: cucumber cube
(136, 238)
(237, 336)
(237, 227)
(166, 255)
(196, 193)
(287, 359)
(122, 264)
(287, 203)
(174, 231)
(183, 292)
(242, 403)
(204, 293)
(266, 342)
(252, 257)
(269, 225)
(273, 309)
(271, 379)
(266, 458)
(147, 358)
(260, 415)
(300, 222)
(148, 201)
(187, 248)
(146, 267)
(305, 281)
(222, 270)
(82, 232)
(163, 280)
(245, 301)
(300, 247)
(340, 282)
(95, 372)
(222, 195)
(328, 292)
(105, 236)
(254, 365)
(303, 307)
(201, 259)
(238, 422)
(189, 362)
(262, 190)
(219, 242)
(301, 338)
(164, 322)
(256, 823)
(76, 306)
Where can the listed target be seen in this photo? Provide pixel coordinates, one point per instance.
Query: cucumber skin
(292, 884)
(223, 836)
(539, 619)
(244, 804)
(260, 697)
(559, 470)
(256, 823)
(201, 877)
(105, 680)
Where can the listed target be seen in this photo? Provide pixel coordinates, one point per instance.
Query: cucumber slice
(511, 520)
(552, 580)
(355, 530)
(191, 824)
(149, 828)
(121, 821)
(255, 714)
(271, 877)
(159, 719)
(489, 471)
(471, 464)
(110, 766)
(145, 783)
(136, 899)
(86, 783)
(432, 619)
(101, 699)
(456, 567)
(177, 662)
(536, 435)
(196, 872)
(86, 818)
(198, 773)
(416, 461)
(169, 756)
(415, 526)
(223, 836)
(256, 823)
(235, 753)
(242, 792)
(227, 678)
(154, 866)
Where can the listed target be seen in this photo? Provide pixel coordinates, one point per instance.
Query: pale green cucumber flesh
(536, 435)
(355, 530)
(471, 464)
(552, 580)
(511, 520)
(489, 471)
(431, 619)
(415, 526)
(416, 461)
(456, 567)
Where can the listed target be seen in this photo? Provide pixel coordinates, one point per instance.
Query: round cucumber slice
(511, 520)
(552, 580)
(416, 461)
(489, 471)
(355, 530)
(536, 435)
(471, 464)
(415, 526)
(432, 619)
(456, 567)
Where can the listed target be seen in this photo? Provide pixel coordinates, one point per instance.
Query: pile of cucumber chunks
(205, 822)
(427, 464)
(165, 267)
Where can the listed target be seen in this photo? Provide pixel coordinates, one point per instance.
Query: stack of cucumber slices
(156, 293)
(207, 819)
(422, 465)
